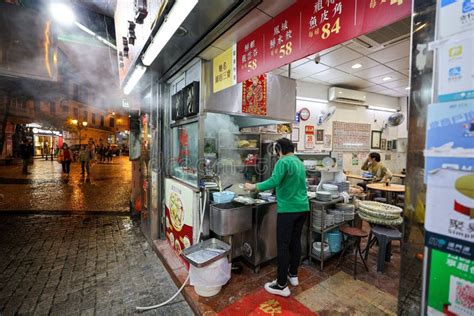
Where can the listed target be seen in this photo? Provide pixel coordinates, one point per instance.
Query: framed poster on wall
(309, 137)
(319, 136)
(376, 139)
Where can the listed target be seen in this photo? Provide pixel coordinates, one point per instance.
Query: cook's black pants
(289, 228)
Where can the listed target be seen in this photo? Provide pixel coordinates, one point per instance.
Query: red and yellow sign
(254, 95)
(223, 69)
(308, 27)
(179, 215)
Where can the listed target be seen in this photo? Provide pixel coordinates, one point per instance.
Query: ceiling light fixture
(387, 78)
(356, 66)
(173, 21)
(381, 108)
(407, 88)
(137, 74)
(62, 13)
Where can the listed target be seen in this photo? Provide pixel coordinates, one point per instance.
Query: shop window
(111, 122)
(185, 153)
(93, 118)
(102, 121)
(75, 92)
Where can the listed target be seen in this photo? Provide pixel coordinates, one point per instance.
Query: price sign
(327, 23)
(282, 39)
(250, 55)
(310, 26)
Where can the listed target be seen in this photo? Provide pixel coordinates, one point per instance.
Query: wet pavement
(80, 265)
(48, 189)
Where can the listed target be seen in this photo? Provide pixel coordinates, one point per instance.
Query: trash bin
(209, 267)
(208, 280)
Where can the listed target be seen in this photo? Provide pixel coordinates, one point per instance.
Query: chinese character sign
(310, 26)
(451, 285)
(254, 95)
(224, 70)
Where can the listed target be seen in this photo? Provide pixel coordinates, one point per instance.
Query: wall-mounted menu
(350, 136)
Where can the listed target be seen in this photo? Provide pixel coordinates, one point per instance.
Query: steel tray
(206, 252)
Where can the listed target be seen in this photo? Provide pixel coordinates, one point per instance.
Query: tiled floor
(328, 292)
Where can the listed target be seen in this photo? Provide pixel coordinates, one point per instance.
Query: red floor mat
(263, 303)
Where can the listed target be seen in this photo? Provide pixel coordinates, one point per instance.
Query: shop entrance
(348, 129)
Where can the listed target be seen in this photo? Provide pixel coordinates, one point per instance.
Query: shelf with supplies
(314, 231)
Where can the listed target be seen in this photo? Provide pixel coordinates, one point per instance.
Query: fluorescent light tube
(381, 108)
(138, 72)
(176, 17)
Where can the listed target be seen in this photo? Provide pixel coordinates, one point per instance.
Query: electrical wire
(147, 308)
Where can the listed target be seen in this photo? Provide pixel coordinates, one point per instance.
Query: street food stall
(220, 141)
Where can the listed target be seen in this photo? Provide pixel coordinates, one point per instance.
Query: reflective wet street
(48, 189)
(80, 265)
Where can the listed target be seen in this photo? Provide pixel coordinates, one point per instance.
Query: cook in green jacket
(289, 181)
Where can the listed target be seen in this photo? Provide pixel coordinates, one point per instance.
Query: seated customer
(379, 172)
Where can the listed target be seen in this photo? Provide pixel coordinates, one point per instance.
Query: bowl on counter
(330, 187)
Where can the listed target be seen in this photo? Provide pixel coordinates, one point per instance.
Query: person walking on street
(45, 150)
(85, 157)
(25, 154)
(66, 158)
(289, 181)
(109, 154)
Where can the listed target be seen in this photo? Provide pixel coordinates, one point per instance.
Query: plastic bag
(215, 274)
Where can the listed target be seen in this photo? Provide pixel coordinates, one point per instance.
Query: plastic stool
(356, 234)
(384, 236)
(380, 199)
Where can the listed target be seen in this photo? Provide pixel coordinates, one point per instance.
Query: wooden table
(389, 190)
(358, 177)
(401, 176)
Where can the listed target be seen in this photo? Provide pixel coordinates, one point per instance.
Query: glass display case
(184, 159)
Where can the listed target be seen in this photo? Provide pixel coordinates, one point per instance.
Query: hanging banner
(308, 27)
(224, 69)
(451, 287)
(254, 96)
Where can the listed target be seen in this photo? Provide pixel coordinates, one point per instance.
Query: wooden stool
(356, 234)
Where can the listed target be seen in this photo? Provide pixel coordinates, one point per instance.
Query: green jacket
(289, 181)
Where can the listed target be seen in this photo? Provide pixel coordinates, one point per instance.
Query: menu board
(307, 27)
(350, 136)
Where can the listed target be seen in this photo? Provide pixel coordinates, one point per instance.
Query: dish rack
(322, 226)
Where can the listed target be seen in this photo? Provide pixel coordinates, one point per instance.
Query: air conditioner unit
(341, 95)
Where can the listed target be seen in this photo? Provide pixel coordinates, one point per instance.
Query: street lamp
(80, 126)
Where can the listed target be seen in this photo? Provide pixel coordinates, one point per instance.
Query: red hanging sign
(310, 26)
(254, 95)
(309, 129)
